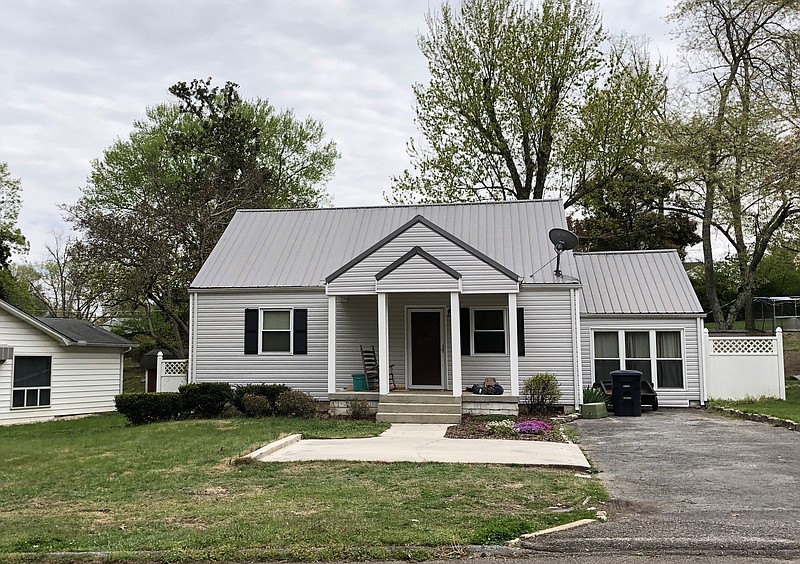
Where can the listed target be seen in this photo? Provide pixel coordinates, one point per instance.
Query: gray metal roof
(299, 248)
(80, 331)
(635, 282)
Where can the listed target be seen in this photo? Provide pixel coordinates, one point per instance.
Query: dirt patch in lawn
(791, 354)
(492, 427)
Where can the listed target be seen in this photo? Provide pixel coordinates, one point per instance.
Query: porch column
(331, 344)
(383, 343)
(513, 347)
(455, 341)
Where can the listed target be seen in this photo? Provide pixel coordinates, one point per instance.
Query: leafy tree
(736, 152)
(11, 238)
(506, 78)
(157, 202)
(628, 213)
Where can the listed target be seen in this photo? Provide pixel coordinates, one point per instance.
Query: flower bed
(524, 427)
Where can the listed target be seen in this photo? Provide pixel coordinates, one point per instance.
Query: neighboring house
(56, 367)
(448, 294)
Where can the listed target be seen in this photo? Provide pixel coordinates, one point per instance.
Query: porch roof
(299, 248)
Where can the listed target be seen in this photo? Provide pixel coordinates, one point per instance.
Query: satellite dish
(562, 240)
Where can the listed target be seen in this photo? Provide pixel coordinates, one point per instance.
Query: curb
(269, 448)
(757, 417)
(559, 528)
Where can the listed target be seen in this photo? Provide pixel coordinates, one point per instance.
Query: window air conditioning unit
(6, 353)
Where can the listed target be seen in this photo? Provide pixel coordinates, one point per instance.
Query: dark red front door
(426, 343)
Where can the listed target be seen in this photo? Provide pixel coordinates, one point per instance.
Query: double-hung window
(489, 331)
(31, 387)
(276, 331)
(658, 355)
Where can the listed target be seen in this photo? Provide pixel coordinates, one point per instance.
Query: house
(448, 294)
(52, 368)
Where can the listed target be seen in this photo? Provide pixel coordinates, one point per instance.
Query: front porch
(404, 406)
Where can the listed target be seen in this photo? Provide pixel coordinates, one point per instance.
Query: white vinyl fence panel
(171, 374)
(740, 367)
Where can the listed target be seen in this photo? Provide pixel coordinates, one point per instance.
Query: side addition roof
(70, 332)
(635, 282)
(300, 248)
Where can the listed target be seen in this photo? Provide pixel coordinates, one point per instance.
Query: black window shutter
(521, 331)
(300, 331)
(465, 326)
(251, 331)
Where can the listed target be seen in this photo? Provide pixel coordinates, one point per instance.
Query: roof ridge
(396, 206)
(628, 252)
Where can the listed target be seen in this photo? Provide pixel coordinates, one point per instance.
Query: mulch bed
(474, 427)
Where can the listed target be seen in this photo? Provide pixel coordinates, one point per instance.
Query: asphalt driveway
(685, 482)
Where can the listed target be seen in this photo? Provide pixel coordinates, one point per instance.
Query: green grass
(788, 409)
(98, 485)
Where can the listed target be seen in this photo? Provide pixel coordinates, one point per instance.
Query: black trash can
(626, 393)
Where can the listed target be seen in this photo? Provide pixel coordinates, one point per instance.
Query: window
(489, 331)
(606, 354)
(31, 381)
(658, 355)
(669, 359)
(276, 331)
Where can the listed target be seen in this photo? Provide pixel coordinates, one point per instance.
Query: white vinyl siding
(83, 379)
(548, 338)
(415, 271)
(477, 276)
(219, 341)
(667, 396)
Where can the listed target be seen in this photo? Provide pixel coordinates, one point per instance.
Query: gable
(405, 274)
(479, 274)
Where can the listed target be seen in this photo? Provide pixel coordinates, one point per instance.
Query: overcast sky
(76, 74)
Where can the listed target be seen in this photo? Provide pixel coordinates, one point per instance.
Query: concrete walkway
(426, 443)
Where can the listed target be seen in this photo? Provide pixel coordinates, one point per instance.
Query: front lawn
(789, 409)
(99, 485)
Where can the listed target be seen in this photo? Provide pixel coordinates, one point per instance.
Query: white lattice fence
(740, 367)
(171, 373)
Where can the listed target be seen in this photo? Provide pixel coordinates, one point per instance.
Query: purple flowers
(532, 427)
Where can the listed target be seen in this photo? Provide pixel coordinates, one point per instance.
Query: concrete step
(438, 418)
(430, 399)
(449, 409)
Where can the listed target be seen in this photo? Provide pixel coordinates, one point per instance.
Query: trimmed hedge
(269, 391)
(206, 399)
(295, 403)
(149, 407)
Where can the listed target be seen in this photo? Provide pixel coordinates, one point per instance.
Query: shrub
(541, 392)
(256, 406)
(270, 391)
(206, 399)
(359, 409)
(295, 403)
(594, 395)
(148, 408)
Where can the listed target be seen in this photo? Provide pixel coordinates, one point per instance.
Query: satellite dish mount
(562, 240)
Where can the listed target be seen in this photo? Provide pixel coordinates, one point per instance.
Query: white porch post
(383, 343)
(331, 344)
(455, 341)
(159, 369)
(513, 347)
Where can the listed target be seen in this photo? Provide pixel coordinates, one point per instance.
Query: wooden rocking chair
(370, 362)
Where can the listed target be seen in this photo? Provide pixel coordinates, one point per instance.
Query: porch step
(437, 418)
(444, 408)
(419, 408)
